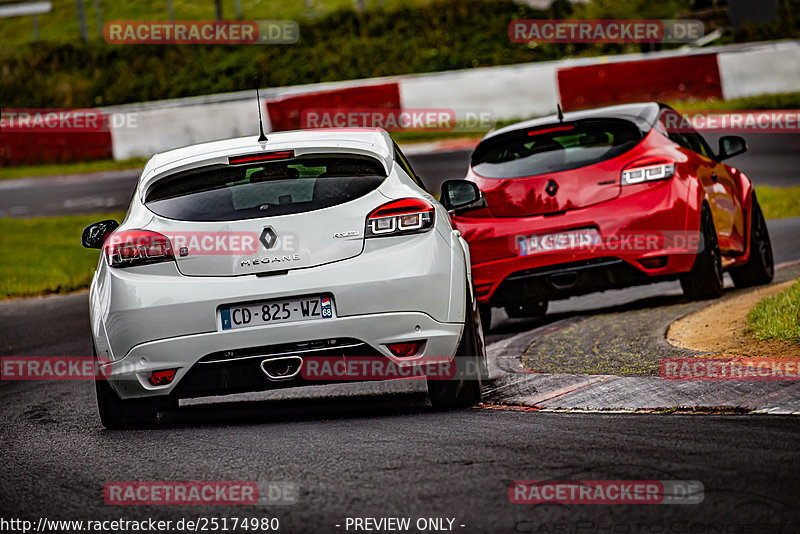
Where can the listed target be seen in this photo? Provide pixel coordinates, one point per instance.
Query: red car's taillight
(404, 216)
(647, 171)
(137, 247)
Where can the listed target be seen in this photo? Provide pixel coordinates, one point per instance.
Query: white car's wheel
(486, 316)
(464, 389)
(116, 413)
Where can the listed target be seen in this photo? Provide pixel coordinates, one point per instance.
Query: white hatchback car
(237, 259)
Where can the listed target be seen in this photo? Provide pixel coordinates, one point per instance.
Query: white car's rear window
(234, 192)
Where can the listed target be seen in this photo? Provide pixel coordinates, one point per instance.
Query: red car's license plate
(558, 241)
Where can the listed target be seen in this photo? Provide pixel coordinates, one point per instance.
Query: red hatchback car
(601, 199)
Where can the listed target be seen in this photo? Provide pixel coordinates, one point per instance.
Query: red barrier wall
(25, 148)
(672, 78)
(285, 113)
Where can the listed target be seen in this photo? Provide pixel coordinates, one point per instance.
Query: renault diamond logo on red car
(552, 188)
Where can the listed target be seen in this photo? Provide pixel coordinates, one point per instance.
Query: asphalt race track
(397, 459)
(376, 450)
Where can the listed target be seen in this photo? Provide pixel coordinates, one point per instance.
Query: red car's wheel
(760, 266)
(704, 281)
(534, 309)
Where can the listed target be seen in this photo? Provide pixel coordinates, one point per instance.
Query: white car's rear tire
(486, 316)
(464, 389)
(116, 413)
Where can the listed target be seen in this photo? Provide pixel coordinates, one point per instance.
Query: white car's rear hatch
(269, 215)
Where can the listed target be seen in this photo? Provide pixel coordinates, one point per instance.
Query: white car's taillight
(647, 173)
(404, 216)
(137, 247)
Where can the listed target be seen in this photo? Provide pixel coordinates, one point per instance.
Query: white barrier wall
(156, 130)
(168, 124)
(510, 92)
(768, 69)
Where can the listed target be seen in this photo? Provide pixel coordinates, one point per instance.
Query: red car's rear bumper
(648, 233)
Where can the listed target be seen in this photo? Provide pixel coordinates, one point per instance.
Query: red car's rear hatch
(553, 168)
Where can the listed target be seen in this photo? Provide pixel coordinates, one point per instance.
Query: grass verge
(777, 317)
(779, 202)
(62, 23)
(335, 43)
(41, 256)
(777, 101)
(81, 167)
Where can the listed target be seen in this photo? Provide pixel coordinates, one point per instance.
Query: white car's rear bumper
(129, 375)
(399, 289)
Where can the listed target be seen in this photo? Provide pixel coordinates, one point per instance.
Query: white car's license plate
(276, 311)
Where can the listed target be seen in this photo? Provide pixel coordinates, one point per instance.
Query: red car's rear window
(554, 147)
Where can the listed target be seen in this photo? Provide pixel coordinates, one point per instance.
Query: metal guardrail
(28, 8)
(33, 9)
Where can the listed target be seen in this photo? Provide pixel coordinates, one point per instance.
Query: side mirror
(95, 234)
(461, 194)
(731, 145)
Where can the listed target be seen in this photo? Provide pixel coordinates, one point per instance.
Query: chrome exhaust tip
(282, 367)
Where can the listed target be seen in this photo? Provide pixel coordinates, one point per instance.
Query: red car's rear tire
(705, 281)
(760, 266)
(535, 309)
